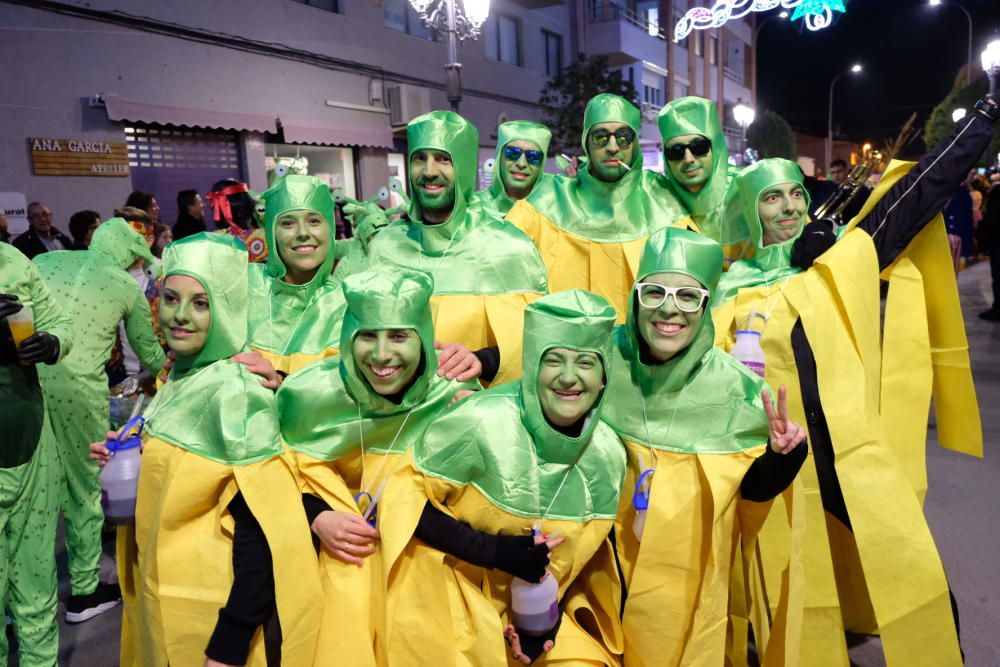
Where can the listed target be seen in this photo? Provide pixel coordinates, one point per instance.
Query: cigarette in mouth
(624, 166)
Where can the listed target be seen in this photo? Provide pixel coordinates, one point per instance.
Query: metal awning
(120, 109)
(340, 124)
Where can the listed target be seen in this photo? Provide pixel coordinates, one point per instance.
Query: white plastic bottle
(120, 477)
(748, 350)
(535, 607)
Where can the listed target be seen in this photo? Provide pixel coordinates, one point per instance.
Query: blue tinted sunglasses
(513, 153)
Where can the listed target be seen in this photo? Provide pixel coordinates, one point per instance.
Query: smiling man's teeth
(384, 371)
(668, 327)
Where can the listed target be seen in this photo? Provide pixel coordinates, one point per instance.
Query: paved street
(963, 507)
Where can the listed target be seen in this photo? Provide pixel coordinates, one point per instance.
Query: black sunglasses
(698, 148)
(623, 137)
(513, 153)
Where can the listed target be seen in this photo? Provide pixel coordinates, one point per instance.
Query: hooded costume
(869, 566)
(29, 482)
(495, 462)
(96, 292)
(707, 207)
(485, 272)
(589, 232)
(693, 427)
(347, 439)
(516, 130)
(294, 325)
(211, 432)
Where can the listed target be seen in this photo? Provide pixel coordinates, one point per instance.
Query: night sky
(911, 53)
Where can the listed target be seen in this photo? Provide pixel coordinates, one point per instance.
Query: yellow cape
(574, 262)
(886, 576)
(447, 612)
(178, 572)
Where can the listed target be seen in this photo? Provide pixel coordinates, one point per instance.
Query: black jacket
(30, 242)
(187, 225)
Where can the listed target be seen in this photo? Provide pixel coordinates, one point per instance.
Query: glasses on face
(514, 153)
(698, 148)
(624, 137)
(687, 299)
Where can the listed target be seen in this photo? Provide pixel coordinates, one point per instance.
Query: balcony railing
(602, 11)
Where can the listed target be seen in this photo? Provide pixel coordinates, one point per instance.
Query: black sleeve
(489, 357)
(515, 554)
(533, 646)
(771, 473)
(314, 506)
(251, 599)
(917, 197)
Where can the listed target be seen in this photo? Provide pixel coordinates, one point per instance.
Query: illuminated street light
(855, 69)
(991, 63)
(958, 114)
(744, 116)
(460, 20)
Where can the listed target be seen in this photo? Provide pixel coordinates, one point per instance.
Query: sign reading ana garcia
(77, 157)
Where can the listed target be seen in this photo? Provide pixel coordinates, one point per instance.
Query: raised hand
(456, 362)
(786, 435)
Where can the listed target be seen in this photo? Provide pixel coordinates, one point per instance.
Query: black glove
(816, 238)
(534, 646)
(42, 347)
(8, 305)
(520, 556)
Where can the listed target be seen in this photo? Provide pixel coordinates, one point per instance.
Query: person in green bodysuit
(697, 171)
(29, 499)
(485, 272)
(522, 147)
(96, 291)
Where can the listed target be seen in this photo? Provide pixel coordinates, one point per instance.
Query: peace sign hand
(786, 435)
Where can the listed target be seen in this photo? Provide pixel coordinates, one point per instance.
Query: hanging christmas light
(815, 14)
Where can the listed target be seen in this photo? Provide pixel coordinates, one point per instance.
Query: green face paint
(569, 382)
(519, 176)
(185, 314)
(667, 329)
(388, 358)
(303, 240)
(692, 171)
(606, 161)
(782, 210)
(432, 179)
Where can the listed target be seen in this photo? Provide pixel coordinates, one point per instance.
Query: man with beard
(485, 272)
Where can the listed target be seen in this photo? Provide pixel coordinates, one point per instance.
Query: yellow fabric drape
(290, 363)
(678, 576)
(574, 262)
(484, 320)
(180, 572)
(887, 575)
(447, 612)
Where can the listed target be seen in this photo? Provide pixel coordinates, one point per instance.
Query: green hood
(387, 298)
(219, 263)
(516, 130)
(573, 319)
(702, 401)
(212, 406)
(608, 108)
(446, 131)
(674, 250)
(117, 240)
(773, 263)
(297, 193)
(697, 115)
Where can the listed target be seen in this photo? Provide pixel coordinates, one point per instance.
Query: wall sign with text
(78, 157)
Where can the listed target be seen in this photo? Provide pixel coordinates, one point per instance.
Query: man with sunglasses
(522, 147)
(697, 171)
(485, 271)
(590, 228)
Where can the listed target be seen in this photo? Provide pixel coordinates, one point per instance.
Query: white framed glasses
(687, 299)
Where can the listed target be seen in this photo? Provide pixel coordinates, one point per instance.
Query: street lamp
(991, 64)
(958, 114)
(968, 67)
(855, 69)
(744, 116)
(753, 67)
(460, 20)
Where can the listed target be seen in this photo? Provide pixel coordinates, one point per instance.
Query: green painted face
(185, 314)
(388, 358)
(569, 382)
(782, 209)
(432, 179)
(667, 330)
(303, 239)
(606, 161)
(519, 175)
(692, 171)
